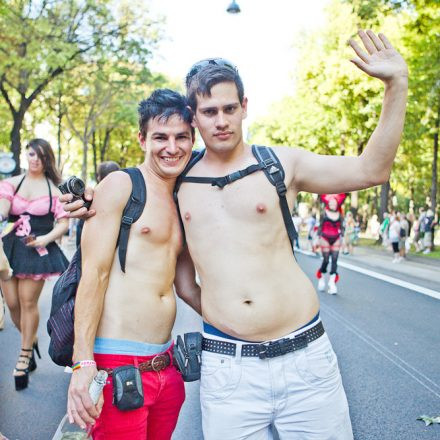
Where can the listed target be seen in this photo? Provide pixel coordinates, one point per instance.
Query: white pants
(300, 393)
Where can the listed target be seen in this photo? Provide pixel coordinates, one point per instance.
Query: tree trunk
(384, 199)
(15, 137)
(84, 163)
(95, 158)
(434, 176)
(60, 117)
(105, 144)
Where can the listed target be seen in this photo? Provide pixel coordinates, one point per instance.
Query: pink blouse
(38, 206)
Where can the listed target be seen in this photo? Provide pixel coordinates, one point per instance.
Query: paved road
(386, 337)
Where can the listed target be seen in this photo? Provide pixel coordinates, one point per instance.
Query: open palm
(379, 59)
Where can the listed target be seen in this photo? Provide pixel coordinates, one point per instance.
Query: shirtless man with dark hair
(125, 318)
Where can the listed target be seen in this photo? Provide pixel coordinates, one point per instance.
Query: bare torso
(252, 287)
(140, 304)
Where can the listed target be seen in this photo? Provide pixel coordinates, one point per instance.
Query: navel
(145, 230)
(187, 216)
(248, 302)
(261, 208)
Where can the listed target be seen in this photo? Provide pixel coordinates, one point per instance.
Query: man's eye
(230, 109)
(209, 112)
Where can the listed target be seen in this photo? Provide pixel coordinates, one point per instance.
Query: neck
(167, 183)
(34, 175)
(226, 156)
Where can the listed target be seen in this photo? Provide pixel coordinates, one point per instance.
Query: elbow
(380, 179)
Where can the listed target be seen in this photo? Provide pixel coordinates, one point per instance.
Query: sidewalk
(414, 269)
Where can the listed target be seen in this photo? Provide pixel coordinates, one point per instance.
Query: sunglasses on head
(197, 67)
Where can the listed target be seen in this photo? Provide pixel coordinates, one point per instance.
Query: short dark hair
(105, 168)
(207, 77)
(162, 104)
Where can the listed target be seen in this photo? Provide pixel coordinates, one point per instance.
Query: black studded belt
(269, 349)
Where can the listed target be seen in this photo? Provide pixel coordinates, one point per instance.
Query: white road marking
(386, 278)
(411, 371)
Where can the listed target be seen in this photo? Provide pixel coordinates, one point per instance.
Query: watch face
(7, 163)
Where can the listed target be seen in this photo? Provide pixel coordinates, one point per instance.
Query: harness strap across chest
(268, 162)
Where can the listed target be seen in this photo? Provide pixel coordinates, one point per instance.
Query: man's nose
(220, 120)
(172, 147)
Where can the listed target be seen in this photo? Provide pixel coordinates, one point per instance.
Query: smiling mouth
(171, 160)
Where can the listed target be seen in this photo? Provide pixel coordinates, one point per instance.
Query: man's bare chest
(249, 199)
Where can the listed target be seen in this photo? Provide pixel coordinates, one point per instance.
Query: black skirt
(25, 260)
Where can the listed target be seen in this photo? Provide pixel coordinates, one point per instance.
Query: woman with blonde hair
(30, 202)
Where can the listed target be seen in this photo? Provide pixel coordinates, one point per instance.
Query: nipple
(261, 208)
(187, 216)
(145, 230)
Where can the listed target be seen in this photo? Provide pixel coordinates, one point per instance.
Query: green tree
(40, 41)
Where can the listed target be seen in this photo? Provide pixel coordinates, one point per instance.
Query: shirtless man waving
(266, 357)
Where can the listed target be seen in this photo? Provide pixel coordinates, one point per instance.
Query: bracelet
(82, 364)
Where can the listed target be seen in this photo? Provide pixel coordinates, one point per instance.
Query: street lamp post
(233, 8)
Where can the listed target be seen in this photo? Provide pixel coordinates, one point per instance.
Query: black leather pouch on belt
(188, 355)
(128, 393)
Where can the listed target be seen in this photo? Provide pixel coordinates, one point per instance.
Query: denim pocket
(317, 364)
(219, 375)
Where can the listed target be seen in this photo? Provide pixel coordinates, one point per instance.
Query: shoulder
(114, 190)
(14, 180)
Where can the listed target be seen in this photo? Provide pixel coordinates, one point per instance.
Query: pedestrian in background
(394, 236)
(384, 229)
(297, 222)
(30, 201)
(428, 231)
(349, 233)
(404, 234)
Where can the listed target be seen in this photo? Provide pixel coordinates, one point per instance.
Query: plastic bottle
(68, 431)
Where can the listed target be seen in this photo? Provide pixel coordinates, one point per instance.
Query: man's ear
(193, 123)
(244, 107)
(142, 141)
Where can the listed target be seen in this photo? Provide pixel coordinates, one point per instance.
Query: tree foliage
(335, 107)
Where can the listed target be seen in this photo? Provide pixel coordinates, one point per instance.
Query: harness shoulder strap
(274, 171)
(132, 211)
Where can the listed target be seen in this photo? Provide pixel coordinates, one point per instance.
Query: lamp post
(233, 8)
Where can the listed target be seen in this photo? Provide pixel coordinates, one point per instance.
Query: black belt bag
(187, 355)
(128, 392)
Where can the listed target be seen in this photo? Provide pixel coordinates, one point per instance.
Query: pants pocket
(317, 364)
(220, 375)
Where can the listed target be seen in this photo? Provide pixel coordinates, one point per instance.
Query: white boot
(332, 289)
(321, 283)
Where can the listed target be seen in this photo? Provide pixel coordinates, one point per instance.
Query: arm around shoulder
(185, 281)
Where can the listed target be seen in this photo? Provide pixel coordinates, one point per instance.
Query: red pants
(164, 394)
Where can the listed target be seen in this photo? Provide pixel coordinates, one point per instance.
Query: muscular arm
(185, 281)
(98, 247)
(334, 174)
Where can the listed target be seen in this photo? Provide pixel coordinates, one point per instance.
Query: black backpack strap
(274, 172)
(132, 211)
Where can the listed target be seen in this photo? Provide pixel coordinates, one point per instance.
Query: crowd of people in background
(399, 232)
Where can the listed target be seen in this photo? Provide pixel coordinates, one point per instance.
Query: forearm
(58, 231)
(378, 156)
(89, 305)
(5, 206)
(192, 296)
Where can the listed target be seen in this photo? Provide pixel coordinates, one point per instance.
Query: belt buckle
(161, 363)
(262, 351)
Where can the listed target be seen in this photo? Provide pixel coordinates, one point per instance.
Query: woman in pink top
(31, 202)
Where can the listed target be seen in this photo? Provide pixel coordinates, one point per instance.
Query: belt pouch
(128, 393)
(187, 354)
